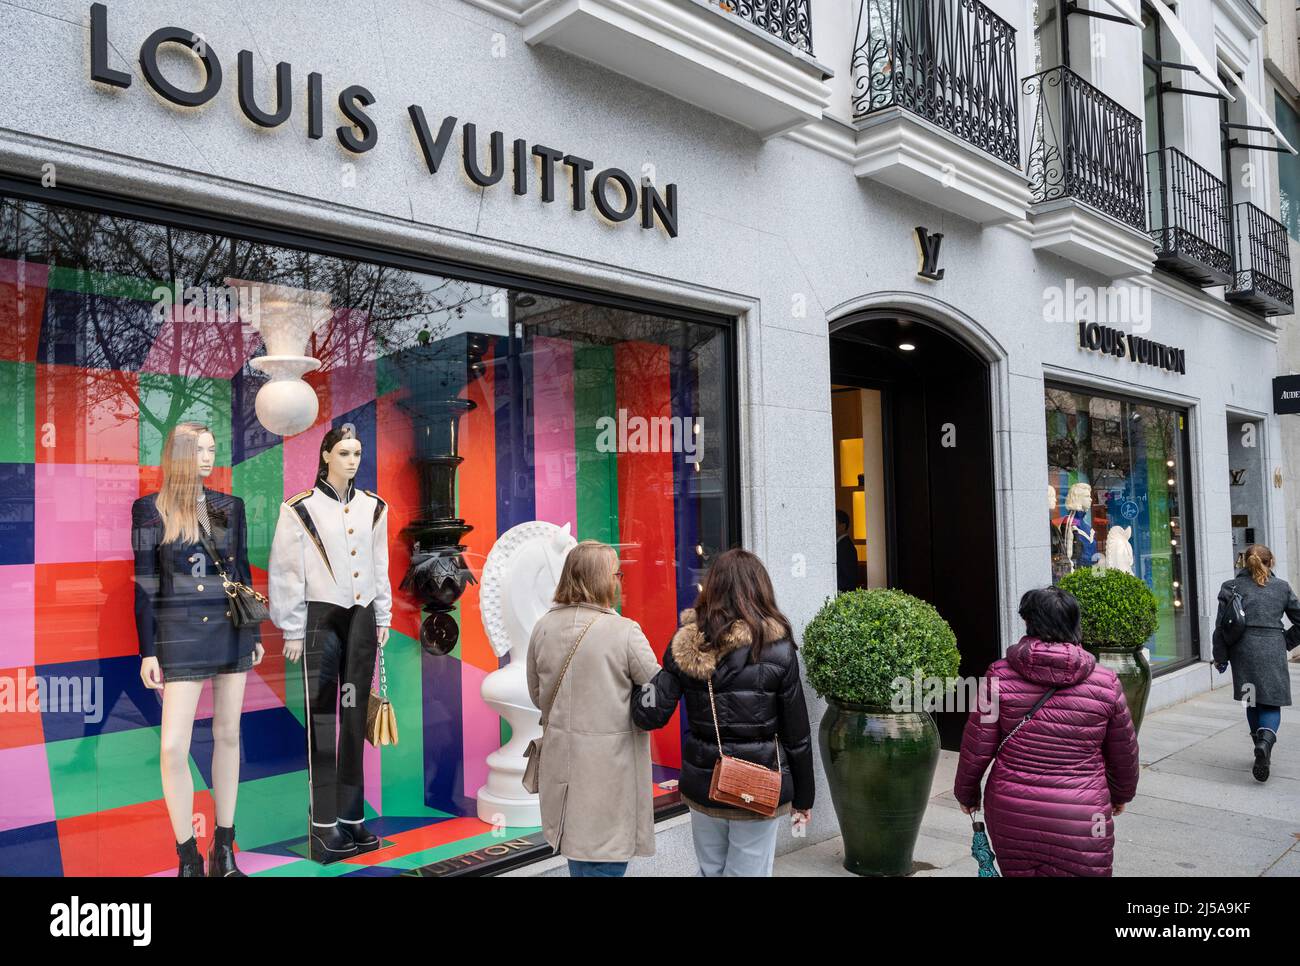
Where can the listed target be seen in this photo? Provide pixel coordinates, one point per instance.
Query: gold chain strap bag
(381, 719)
(533, 770)
(744, 784)
(248, 608)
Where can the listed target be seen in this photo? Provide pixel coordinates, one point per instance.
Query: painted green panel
(597, 483)
(259, 482)
(273, 809)
(97, 283)
(166, 400)
(1164, 643)
(388, 377)
(403, 763)
(293, 696)
(17, 412)
(107, 771)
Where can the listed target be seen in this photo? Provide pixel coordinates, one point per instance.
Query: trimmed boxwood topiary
(860, 642)
(1118, 609)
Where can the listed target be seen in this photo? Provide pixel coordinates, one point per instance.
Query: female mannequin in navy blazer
(186, 635)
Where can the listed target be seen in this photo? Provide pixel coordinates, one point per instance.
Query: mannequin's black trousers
(338, 667)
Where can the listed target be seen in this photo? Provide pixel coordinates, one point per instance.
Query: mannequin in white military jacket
(331, 597)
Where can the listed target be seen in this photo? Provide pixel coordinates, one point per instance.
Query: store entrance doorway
(913, 427)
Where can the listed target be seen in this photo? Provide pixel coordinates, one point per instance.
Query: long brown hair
(1259, 561)
(588, 575)
(178, 500)
(737, 588)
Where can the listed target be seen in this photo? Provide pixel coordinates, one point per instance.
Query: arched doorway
(916, 403)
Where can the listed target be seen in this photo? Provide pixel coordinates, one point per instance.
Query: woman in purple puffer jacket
(1056, 784)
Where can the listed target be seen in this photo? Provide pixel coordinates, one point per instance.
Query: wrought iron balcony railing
(1083, 145)
(952, 62)
(788, 20)
(1263, 259)
(1189, 218)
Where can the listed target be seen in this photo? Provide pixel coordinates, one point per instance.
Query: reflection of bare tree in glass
(117, 330)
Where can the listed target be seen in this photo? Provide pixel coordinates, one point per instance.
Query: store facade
(491, 218)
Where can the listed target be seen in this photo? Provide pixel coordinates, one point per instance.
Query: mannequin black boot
(365, 840)
(1265, 738)
(191, 866)
(329, 845)
(221, 855)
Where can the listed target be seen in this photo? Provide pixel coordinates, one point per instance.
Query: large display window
(1117, 495)
(480, 408)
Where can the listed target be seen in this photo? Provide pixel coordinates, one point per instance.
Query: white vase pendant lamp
(285, 317)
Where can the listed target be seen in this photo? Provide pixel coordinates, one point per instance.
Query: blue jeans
(734, 847)
(1264, 716)
(611, 870)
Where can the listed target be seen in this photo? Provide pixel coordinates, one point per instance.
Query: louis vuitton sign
(549, 172)
(1135, 348)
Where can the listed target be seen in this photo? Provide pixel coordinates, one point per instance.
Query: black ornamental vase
(880, 765)
(1134, 673)
(434, 376)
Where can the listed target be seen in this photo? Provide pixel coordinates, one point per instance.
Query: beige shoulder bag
(532, 771)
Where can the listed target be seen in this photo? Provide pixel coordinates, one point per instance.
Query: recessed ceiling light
(906, 346)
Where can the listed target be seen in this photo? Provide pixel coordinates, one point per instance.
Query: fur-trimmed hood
(696, 659)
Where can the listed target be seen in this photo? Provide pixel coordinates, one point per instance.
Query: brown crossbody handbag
(744, 784)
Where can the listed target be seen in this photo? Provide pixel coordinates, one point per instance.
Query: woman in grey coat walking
(1259, 671)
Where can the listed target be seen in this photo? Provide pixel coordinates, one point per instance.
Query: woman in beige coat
(594, 779)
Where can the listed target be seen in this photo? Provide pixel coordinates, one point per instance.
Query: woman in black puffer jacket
(736, 637)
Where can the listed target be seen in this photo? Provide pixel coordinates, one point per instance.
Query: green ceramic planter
(880, 765)
(1130, 664)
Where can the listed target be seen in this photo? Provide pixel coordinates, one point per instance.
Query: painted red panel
(272, 668)
(86, 415)
(477, 493)
(22, 305)
(85, 611)
(646, 528)
(134, 840)
(20, 709)
(400, 488)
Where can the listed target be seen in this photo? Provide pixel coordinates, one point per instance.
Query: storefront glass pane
(1117, 497)
(611, 422)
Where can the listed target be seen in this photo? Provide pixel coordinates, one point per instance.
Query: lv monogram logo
(929, 245)
(1238, 477)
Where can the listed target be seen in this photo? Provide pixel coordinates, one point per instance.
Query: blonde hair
(178, 500)
(1259, 561)
(588, 575)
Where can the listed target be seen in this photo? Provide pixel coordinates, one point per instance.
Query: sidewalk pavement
(1198, 811)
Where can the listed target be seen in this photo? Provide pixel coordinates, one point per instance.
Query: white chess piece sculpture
(1119, 552)
(517, 587)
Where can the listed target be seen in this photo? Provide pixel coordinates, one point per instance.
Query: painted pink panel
(25, 795)
(17, 615)
(553, 436)
(31, 273)
(258, 696)
(301, 457)
(83, 513)
(481, 728)
(197, 341)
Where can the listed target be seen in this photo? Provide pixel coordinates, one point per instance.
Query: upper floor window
(1047, 34)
